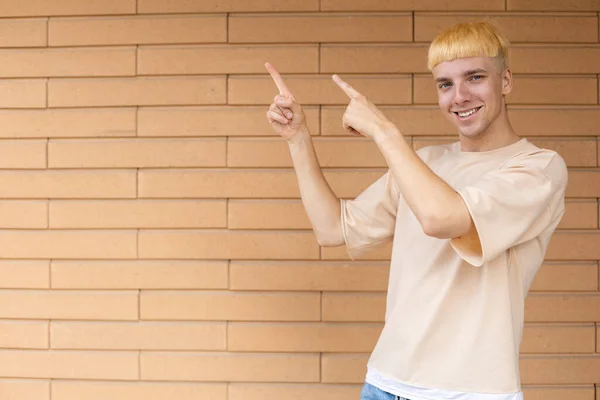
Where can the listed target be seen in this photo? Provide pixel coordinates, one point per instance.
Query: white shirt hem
(396, 388)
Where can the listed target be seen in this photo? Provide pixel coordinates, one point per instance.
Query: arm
(440, 210)
(321, 204)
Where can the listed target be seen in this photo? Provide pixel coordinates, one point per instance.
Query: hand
(361, 116)
(285, 115)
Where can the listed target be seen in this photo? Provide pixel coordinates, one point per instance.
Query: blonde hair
(469, 39)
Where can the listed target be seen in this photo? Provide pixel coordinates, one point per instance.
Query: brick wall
(153, 245)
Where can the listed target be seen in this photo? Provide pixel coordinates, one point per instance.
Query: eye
(476, 77)
(444, 85)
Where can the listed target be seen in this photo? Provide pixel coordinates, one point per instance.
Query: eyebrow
(466, 73)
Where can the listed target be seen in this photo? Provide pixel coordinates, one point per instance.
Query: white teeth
(466, 114)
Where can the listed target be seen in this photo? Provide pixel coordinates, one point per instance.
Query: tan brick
(293, 337)
(67, 184)
(245, 183)
(66, 7)
(136, 153)
(350, 183)
(138, 214)
(68, 244)
(321, 27)
(121, 365)
(23, 93)
(230, 367)
(23, 214)
(380, 252)
(562, 338)
(560, 370)
(320, 89)
(309, 276)
(30, 32)
(24, 274)
(425, 89)
(555, 59)
(76, 390)
(412, 121)
(580, 214)
(220, 244)
(191, 6)
(559, 393)
(257, 391)
(560, 89)
(562, 307)
(139, 274)
(23, 154)
(576, 152)
(353, 307)
(369, 58)
(584, 183)
(266, 214)
(410, 5)
(138, 336)
(68, 304)
(213, 121)
(331, 153)
(137, 30)
(553, 5)
(226, 59)
(574, 245)
(68, 122)
(138, 91)
(566, 276)
(343, 368)
(23, 335)
(552, 28)
(555, 121)
(230, 306)
(90, 61)
(25, 389)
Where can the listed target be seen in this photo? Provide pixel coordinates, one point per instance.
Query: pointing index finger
(283, 90)
(349, 90)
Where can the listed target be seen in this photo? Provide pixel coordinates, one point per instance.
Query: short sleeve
(512, 205)
(370, 218)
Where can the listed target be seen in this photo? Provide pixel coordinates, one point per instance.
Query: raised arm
(322, 206)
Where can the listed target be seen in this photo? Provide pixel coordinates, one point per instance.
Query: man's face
(470, 93)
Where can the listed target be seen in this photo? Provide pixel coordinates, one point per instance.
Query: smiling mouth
(468, 113)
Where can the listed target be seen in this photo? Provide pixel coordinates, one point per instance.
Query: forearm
(437, 206)
(321, 204)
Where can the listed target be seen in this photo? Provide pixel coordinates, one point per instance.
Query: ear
(507, 81)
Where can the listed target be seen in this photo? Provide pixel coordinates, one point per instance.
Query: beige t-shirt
(453, 319)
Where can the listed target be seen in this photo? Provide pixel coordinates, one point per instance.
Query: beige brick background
(152, 239)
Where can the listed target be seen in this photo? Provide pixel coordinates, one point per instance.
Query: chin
(471, 133)
(473, 130)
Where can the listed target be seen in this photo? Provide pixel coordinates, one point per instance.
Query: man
(470, 223)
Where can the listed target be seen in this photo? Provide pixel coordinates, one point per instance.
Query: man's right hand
(285, 114)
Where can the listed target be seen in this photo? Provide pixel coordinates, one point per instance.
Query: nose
(461, 93)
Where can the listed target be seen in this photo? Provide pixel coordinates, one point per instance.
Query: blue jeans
(370, 392)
